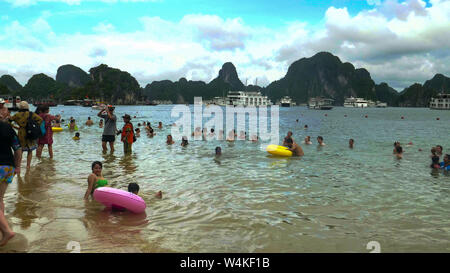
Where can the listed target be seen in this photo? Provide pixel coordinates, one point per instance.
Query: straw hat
(23, 105)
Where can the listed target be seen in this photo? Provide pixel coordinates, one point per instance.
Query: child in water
(134, 189)
(76, 137)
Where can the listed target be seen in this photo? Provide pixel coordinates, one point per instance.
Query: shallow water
(331, 200)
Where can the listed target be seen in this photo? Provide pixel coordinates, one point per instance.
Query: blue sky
(169, 39)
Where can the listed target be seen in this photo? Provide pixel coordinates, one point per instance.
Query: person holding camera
(110, 128)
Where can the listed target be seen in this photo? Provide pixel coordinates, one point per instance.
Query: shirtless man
(294, 147)
(89, 122)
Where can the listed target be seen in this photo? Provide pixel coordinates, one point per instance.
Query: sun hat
(23, 105)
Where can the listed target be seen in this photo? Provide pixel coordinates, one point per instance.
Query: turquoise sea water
(334, 199)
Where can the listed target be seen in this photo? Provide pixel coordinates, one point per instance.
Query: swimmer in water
(95, 179)
(89, 122)
(160, 125)
(184, 141)
(307, 141)
(218, 151)
(320, 141)
(138, 132)
(101, 123)
(169, 140)
(446, 164)
(435, 162)
(231, 135)
(350, 143)
(294, 147)
(306, 126)
(399, 152)
(439, 150)
(289, 135)
(76, 137)
(134, 189)
(396, 144)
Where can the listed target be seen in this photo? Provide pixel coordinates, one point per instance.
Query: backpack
(43, 128)
(32, 128)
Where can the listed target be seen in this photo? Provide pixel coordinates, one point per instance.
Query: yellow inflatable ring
(278, 150)
(57, 129)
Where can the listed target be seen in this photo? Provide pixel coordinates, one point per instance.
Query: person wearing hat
(4, 113)
(110, 128)
(127, 134)
(21, 119)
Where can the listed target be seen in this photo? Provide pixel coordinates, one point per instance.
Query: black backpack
(32, 128)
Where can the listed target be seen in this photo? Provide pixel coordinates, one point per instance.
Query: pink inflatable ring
(111, 197)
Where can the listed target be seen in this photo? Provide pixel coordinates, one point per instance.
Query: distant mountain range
(320, 75)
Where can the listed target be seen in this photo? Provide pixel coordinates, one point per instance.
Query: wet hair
(439, 147)
(352, 140)
(133, 188)
(212, 130)
(218, 149)
(395, 143)
(290, 132)
(77, 134)
(184, 140)
(139, 124)
(399, 149)
(320, 137)
(96, 163)
(137, 129)
(89, 118)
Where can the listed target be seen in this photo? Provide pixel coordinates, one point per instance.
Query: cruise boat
(356, 103)
(243, 98)
(440, 102)
(320, 103)
(380, 104)
(286, 102)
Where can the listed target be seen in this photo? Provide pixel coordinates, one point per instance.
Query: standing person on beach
(109, 131)
(47, 139)
(21, 118)
(4, 112)
(9, 165)
(127, 134)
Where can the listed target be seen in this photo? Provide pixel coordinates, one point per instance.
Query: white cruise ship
(286, 101)
(243, 98)
(356, 103)
(320, 103)
(440, 102)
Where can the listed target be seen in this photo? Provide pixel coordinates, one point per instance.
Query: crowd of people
(12, 145)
